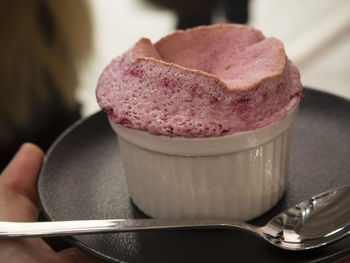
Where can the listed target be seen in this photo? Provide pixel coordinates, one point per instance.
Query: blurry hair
(42, 44)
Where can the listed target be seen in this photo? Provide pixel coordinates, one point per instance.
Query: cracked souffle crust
(202, 82)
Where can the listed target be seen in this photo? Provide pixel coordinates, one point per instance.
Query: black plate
(82, 178)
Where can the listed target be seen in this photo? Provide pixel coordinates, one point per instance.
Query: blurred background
(52, 52)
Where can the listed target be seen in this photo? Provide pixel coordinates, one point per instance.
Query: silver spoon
(323, 219)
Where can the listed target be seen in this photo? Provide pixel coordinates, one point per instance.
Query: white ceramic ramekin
(238, 176)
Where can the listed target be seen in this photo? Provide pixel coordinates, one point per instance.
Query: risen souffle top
(202, 82)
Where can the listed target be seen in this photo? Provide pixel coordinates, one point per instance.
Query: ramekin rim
(205, 146)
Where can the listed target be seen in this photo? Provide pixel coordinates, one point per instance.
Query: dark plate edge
(70, 239)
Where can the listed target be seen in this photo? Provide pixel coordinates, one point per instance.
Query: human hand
(19, 202)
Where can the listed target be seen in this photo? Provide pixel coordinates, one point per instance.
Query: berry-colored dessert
(202, 82)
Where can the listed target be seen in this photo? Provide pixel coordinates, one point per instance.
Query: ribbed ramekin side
(240, 186)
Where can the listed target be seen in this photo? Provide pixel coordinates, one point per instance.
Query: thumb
(76, 255)
(18, 193)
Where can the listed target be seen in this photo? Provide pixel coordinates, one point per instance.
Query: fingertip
(21, 173)
(29, 156)
(31, 147)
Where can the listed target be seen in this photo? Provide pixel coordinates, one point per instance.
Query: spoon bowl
(321, 220)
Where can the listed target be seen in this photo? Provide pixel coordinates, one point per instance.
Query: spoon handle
(79, 227)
